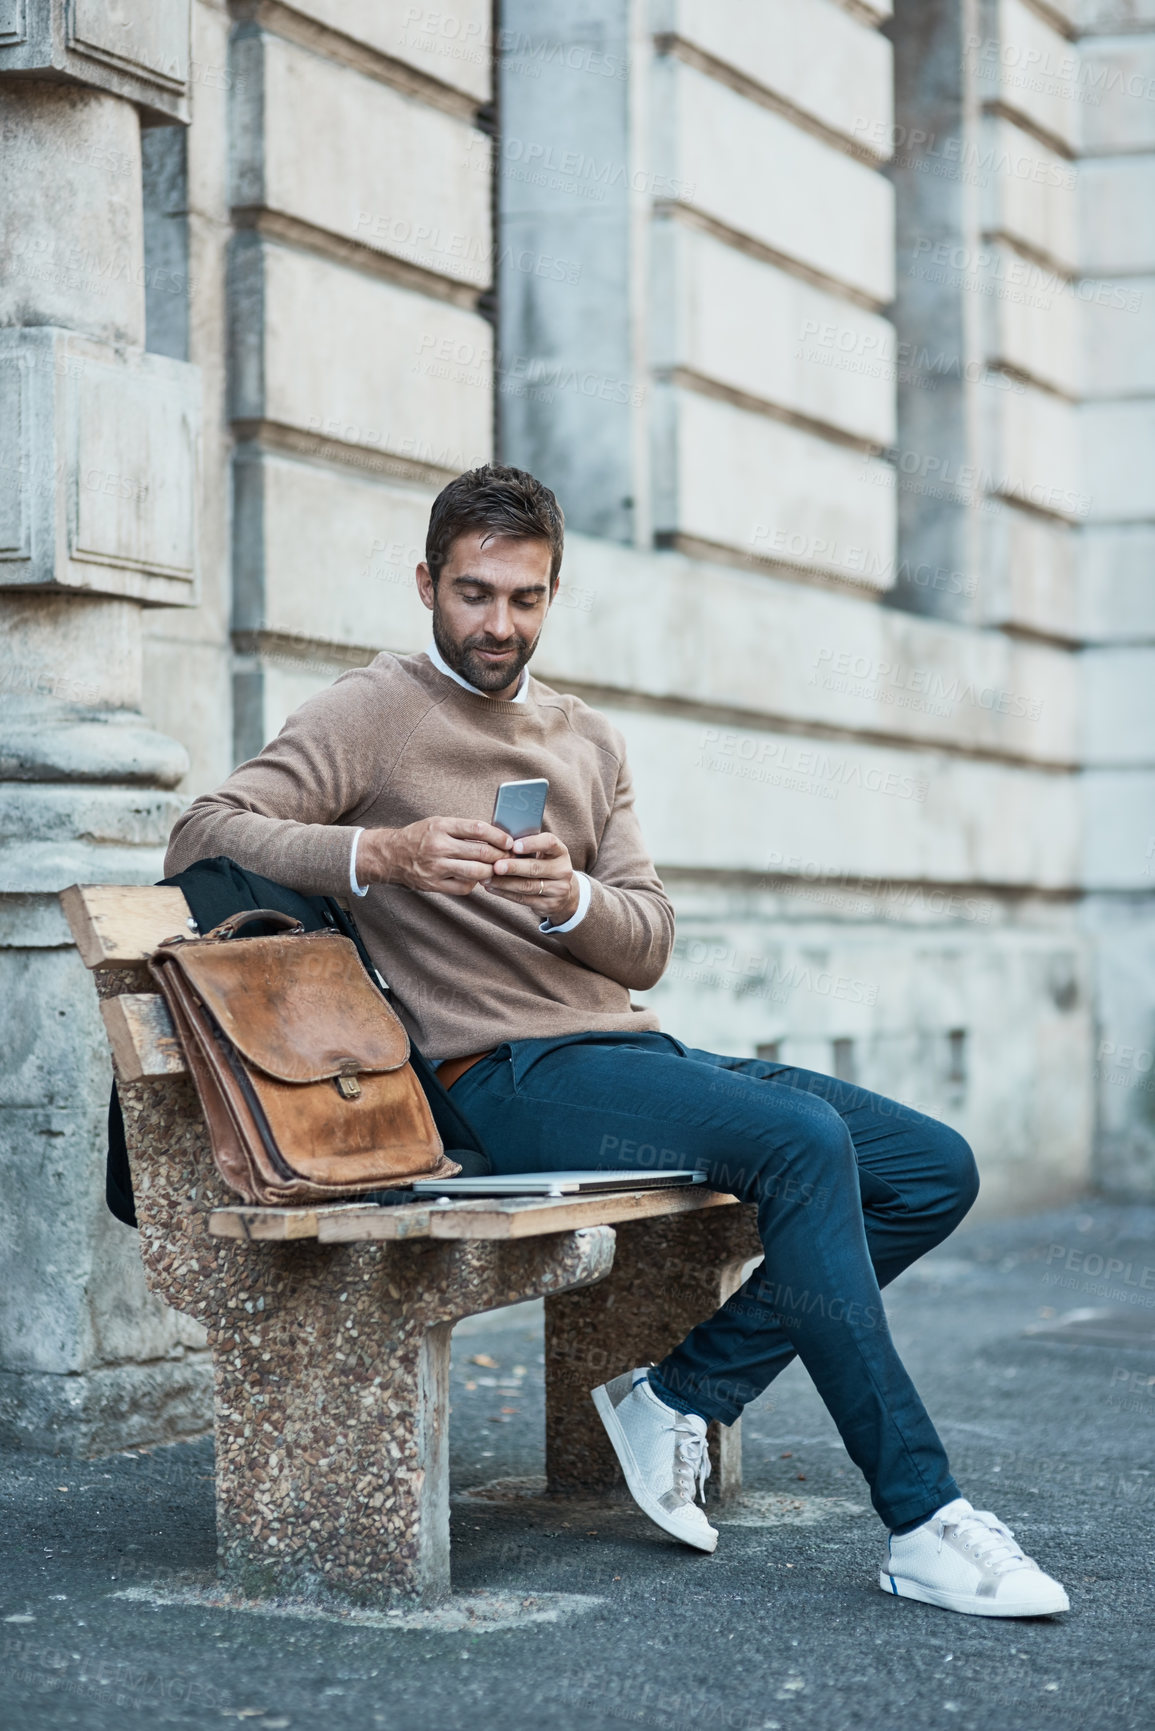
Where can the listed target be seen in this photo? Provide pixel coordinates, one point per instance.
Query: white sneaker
(966, 1560)
(662, 1453)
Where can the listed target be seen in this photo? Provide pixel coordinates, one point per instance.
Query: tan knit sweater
(397, 741)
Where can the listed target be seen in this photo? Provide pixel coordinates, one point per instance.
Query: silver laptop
(554, 1183)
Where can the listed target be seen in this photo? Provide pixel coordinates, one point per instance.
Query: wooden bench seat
(330, 1325)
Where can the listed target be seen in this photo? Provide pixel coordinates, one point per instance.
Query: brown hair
(503, 500)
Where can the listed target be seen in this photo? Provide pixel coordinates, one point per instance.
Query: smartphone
(519, 808)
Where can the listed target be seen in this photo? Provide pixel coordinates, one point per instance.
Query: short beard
(463, 659)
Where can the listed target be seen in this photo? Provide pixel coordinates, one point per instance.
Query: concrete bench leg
(331, 1369)
(332, 1401)
(667, 1276)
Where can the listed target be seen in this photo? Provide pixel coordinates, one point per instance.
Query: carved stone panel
(138, 49)
(98, 467)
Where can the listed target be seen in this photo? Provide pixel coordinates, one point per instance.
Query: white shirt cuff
(584, 894)
(353, 884)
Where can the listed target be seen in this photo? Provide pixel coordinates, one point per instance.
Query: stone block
(56, 835)
(1028, 192)
(1119, 705)
(388, 371)
(1123, 1054)
(73, 1295)
(421, 193)
(719, 798)
(266, 690)
(1117, 215)
(1107, 17)
(1119, 447)
(1036, 323)
(745, 482)
(808, 201)
(811, 54)
(781, 339)
(1118, 85)
(70, 648)
(137, 49)
(454, 46)
(678, 629)
(1028, 67)
(1117, 596)
(1118, 337)
(187, 693)
(98, 468)
(327, 557)
(1029, 573)
(896, 969)
(1116, 806)
(1033, 457)
(75, 258)
(97, 1412)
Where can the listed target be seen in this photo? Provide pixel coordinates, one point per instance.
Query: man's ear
(426, 587)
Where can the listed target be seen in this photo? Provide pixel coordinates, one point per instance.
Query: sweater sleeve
(628, 931)
(287, 812)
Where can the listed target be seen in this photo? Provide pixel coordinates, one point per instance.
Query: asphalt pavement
(1033, 1343)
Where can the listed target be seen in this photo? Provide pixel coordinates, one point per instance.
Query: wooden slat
(375, 1223)
(143, 1040)
(506, 1217)
(119, 925)
(279, 1224)
(530, 1216)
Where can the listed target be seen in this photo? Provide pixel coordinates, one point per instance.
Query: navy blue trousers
(850, 1187)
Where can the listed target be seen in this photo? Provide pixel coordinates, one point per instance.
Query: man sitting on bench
(512, 964)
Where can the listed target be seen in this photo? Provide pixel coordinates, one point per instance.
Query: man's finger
(474, 870)
(544, 844)
(461, 848)
(472, 829)
(524, 868)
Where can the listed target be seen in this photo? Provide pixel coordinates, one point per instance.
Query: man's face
(489, 606)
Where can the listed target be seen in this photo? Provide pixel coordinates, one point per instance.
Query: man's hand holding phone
(447, 856)
(542, 875)
(451, 856)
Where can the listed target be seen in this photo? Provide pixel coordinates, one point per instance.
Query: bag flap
(301, 1008)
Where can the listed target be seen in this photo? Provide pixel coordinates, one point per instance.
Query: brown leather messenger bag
(301, 1066)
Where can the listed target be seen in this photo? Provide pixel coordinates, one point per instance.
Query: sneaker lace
(994, 1544)
(691, 1460)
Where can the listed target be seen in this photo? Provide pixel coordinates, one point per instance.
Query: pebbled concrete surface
(583, 1615)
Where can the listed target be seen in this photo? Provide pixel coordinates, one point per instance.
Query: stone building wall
(834, 331)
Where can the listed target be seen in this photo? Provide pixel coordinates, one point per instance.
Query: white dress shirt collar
(443, 666)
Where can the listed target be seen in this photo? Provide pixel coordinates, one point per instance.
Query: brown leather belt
(454, 1068)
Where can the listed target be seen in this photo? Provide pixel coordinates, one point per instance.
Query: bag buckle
(348, 1087)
